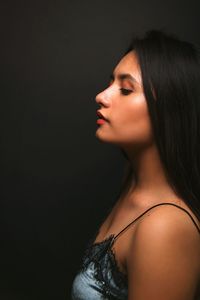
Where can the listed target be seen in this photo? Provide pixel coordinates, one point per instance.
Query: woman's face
(124, 105)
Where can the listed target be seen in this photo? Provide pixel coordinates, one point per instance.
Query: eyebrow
(124, 76)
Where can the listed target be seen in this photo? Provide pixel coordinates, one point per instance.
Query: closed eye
(125, 91)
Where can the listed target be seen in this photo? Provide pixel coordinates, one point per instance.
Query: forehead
(129, 64)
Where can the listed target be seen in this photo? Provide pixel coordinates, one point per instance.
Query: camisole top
(99, 276)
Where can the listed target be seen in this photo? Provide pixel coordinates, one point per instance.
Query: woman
(148, 247)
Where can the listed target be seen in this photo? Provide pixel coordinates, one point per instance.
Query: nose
(102, 99)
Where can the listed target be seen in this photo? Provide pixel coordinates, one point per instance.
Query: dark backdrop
(57, 179)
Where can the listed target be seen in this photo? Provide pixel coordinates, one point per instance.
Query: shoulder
(164, 252)
(167, 226)
(169, 220)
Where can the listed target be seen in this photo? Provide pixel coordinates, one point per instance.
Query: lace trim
(94, 247)
(93, 252)
(120, 277)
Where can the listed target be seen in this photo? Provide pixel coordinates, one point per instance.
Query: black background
(57, 179)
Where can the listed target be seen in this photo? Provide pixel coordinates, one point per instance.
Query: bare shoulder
(163, 256)
(171, 220)
(168, 224)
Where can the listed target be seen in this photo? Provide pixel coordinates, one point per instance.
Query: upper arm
(162, 258)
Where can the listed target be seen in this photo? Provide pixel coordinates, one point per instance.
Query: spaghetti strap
(164, 203)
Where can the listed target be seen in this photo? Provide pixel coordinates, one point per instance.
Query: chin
(102, 136)
(106, 139)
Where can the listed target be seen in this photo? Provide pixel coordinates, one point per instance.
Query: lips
(99, 114)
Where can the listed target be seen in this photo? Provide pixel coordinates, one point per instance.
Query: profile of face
(124, 106)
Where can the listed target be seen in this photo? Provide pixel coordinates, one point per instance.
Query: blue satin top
(99, 277)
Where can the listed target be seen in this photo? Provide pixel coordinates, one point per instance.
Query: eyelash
(125, 91)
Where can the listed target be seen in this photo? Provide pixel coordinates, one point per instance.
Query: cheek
(134, 122)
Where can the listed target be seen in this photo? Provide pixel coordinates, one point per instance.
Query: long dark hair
(170, 70)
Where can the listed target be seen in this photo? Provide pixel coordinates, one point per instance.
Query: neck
(150, 184)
